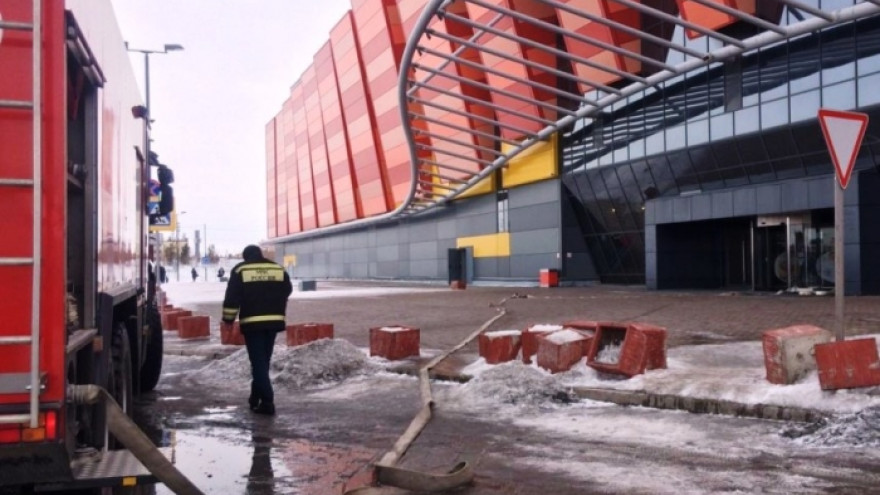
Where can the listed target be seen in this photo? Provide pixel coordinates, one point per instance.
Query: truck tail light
(47, 429)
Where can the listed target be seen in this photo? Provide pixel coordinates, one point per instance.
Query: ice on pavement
(319, 363)
(859, 429)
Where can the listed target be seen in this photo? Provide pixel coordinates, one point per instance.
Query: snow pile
(610, 354)
(861, 429)
(565, 336)
(317, 363)
(514, 383)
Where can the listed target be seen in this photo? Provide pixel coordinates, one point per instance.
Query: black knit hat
(252, 253)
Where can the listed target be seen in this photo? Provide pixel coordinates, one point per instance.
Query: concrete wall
(416, 248)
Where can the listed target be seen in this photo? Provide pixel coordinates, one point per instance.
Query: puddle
(223, 461)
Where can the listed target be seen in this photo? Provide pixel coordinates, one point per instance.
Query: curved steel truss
(483, 125)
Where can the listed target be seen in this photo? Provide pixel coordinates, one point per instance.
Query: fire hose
(388, 474)
(128, 433)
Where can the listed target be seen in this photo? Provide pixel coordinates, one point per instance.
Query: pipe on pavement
(128, 433)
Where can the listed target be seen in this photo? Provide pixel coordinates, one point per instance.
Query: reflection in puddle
(227, 461)
(322, 468)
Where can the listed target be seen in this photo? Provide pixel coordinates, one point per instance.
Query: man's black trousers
(260, 344)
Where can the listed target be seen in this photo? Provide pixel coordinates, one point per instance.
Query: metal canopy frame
(424, 70)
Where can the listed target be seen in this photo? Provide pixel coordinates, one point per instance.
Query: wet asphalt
(322, 441)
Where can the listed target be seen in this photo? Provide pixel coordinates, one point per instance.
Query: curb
(700, 406)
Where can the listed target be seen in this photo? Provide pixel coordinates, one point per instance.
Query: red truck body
(87, 311)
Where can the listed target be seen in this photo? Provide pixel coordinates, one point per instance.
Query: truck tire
(121, 370)
(152, 367)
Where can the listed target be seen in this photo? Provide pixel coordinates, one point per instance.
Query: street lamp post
(145, 173)
(177, 244)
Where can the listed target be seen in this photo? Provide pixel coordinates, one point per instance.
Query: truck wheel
(120, 386)
(120, 355)
(152, 367)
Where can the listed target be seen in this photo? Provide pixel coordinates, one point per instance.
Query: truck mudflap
(105, 469)
(24, 463)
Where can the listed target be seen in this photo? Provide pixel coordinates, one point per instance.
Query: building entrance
(793, 251)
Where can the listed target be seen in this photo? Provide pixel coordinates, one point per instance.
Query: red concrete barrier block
(394, 342)
(788, 352)
(548, 277)
(586, 327)
(169, 318)
(848, 364)
(231, 334)
(500, 346)
(303, 333)
(619, 349)
(559, 351)
(194, 327)
(530, 339)
(656, 344)
(458, 285)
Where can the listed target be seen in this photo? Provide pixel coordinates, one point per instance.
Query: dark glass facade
(749, 121)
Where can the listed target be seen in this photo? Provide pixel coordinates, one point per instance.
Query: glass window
(805, 106)
(869, 65)
(868, 90)
(721, 126)
(746, 120)
(837, 74)
(655, 143)
(840, 96)
(503, 212)
(805, 83)
(774, 113)
(676, 137)
(697, 132)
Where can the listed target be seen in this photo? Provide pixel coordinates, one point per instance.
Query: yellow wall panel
(485, 186)
(487, 246)
(537, 163)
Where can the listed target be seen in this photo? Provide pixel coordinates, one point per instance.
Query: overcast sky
(212, 101)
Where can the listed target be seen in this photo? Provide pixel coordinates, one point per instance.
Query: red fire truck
(77, 302)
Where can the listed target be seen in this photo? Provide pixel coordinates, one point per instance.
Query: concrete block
(618, 349)
(194, 327)
(458, 285)
(656, 344)
(306, 285)
(548, 277)
(303, 333)
(788, 352)
(231, 334)
(500, 346)
(559, 351)
(169, 318)
(394, 342)
(530, 339)
(848, 364)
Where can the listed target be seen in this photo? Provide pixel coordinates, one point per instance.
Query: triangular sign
(843, 133)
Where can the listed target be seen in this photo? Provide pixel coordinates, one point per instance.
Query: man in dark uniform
(257, 293)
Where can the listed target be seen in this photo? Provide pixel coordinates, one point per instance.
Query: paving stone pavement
(447, 317)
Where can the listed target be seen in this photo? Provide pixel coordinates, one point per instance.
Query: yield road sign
(843, 133)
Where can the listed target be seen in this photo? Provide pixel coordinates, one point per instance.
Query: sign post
(843, 133)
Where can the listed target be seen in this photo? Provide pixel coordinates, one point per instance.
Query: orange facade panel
(271, 196)
(518, 117)
(288, 161)
(442, 105)
(702, 15)
(323, 191)
(382, 32)
(606, 34)
(335, 137)
(308, 212)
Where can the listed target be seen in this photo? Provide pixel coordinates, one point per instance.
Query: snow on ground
(320, 363)
(187, 292)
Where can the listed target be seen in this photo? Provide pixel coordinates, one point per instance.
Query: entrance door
(737, 255)
(771, 262)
